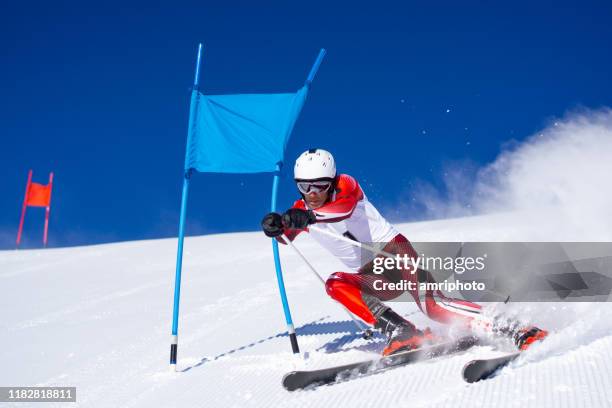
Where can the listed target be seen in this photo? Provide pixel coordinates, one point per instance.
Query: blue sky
(99, 94)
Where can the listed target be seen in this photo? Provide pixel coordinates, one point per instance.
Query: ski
(483, 368)
(296, 380)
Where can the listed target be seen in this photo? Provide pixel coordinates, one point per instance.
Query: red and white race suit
(349, 213)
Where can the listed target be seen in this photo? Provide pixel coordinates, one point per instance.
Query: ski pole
(366, 331)
(355, 243)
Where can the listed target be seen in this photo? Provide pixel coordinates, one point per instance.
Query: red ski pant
(357, 292)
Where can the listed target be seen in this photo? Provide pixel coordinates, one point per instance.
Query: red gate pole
(23, 209)
(48, 210)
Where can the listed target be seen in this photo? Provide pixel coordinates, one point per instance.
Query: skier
(337, 203)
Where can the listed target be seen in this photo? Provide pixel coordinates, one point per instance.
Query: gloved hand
(295, 218)
(272, 225)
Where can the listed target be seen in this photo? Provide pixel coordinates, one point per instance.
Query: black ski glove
(272, 225)
(295, 218)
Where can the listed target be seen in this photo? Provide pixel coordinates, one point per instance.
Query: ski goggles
(306, 187)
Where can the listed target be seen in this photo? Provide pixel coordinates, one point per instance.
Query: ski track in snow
(99, 318)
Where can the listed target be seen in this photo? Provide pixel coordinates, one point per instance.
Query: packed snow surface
(99, 318)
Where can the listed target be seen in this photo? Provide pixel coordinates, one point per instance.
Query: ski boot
(523, 338)
(401, 334)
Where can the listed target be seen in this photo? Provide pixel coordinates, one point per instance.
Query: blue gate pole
(277, 264)
(315, 66)
(279, 271)
(181, 234)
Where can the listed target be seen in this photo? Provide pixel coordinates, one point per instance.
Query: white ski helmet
(315, 164)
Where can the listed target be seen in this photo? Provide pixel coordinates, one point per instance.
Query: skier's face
(316, 199)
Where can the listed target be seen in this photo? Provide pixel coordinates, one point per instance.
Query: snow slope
(99, 317)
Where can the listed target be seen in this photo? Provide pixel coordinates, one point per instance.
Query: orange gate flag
(36, 195)
(39, 195)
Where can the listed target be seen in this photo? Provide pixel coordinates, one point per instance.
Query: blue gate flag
(242, 133)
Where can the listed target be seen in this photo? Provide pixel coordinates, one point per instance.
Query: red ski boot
(525, 337)
(401, 334)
